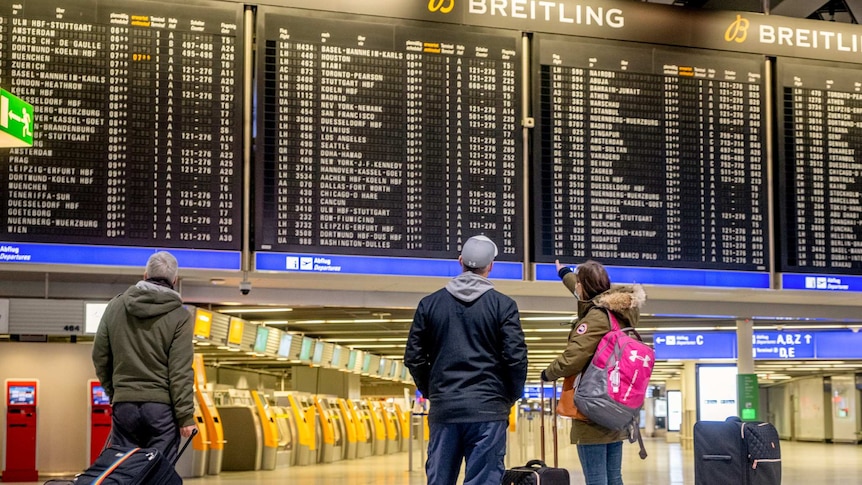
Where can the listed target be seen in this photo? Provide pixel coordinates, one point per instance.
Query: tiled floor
(667, 464)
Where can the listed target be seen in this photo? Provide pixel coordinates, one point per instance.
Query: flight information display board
(820, 176)
(137, 138)
(386, 139)
(649, 156)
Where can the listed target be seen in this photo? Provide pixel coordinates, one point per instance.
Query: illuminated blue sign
(32, 253)
(704, 345)
(784, 345)
(531, 391)
(373, 265)
(671, 277)
(821, 282)
(838, 345)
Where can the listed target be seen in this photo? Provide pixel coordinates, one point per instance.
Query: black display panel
(648, 156)
(386, 138)
(137, 138)
(820, 167)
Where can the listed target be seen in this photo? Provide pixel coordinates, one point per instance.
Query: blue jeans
(482, 445)
(602, 464)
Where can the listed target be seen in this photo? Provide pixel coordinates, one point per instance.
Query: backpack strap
(615, 325)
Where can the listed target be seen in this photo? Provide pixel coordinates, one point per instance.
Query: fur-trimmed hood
(625, 301)
(621, 298)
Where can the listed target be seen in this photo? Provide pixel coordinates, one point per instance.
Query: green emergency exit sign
(16, 121)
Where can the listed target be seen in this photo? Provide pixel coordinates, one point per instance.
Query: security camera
(245, 287)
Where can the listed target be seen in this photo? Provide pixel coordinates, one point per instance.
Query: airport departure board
(137, 138)
(649, 156)
(820, 148)
(386, 139)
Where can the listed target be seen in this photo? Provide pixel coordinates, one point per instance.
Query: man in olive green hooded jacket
(143, 355)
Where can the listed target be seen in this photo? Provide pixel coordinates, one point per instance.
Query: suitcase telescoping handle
(185, 445)
(553, 417)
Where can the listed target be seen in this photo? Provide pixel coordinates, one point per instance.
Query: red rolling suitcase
(536, 472)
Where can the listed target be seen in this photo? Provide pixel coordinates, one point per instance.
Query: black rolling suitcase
(536, 472)
(736, 452)
(135, 466)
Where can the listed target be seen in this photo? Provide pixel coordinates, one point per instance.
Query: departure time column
(415, 148)
(672, 167)
(118, 131)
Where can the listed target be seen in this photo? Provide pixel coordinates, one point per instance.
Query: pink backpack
(611, 390)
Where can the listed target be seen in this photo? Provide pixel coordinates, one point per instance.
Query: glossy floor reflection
(667, 464)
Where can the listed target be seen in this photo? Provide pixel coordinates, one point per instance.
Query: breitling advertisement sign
(633, 21)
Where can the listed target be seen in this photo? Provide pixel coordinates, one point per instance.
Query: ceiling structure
(373, 313)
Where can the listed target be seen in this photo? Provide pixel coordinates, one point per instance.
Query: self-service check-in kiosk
(351, 430)
(286, 434)
(377, 425)
(212, 419)
(270, 432)
(391, 428)
(403, 425)
(19, 438)
(99, 420)
(364, 429)
(305, 451)
(331, 431)
(243, 434)
(193, 463)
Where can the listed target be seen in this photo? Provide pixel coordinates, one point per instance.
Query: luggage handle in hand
(553, 415)
(185, 445)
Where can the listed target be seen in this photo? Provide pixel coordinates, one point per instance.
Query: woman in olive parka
(599, 448)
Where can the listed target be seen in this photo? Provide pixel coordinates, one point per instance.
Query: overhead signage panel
(670, 277)
(818, 168)
(387, 139)
(626, 174)
(784, 345)
(369, 265)
(839, 345)
(704, 345)
(632, 21)
(78, 254)
(138, 141)
(821, 282)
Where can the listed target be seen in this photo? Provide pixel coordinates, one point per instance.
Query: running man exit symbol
(16, 121)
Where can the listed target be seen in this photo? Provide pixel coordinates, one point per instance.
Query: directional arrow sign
(705, 345)
(16, 121)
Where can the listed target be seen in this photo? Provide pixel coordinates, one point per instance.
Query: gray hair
(162, 265)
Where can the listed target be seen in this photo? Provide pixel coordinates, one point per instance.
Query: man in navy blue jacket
(467, 355)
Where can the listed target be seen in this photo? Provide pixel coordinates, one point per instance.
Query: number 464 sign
(16, 121)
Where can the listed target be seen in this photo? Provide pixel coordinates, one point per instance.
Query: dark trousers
(482, 445)
(146, 425)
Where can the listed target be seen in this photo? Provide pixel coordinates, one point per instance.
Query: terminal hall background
(362, 297)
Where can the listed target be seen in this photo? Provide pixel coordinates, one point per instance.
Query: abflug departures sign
(386, 139)
(137, 139)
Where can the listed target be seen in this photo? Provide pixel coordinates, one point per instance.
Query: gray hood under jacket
(468, 286)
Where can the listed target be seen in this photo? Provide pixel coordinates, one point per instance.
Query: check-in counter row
(245, 430)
